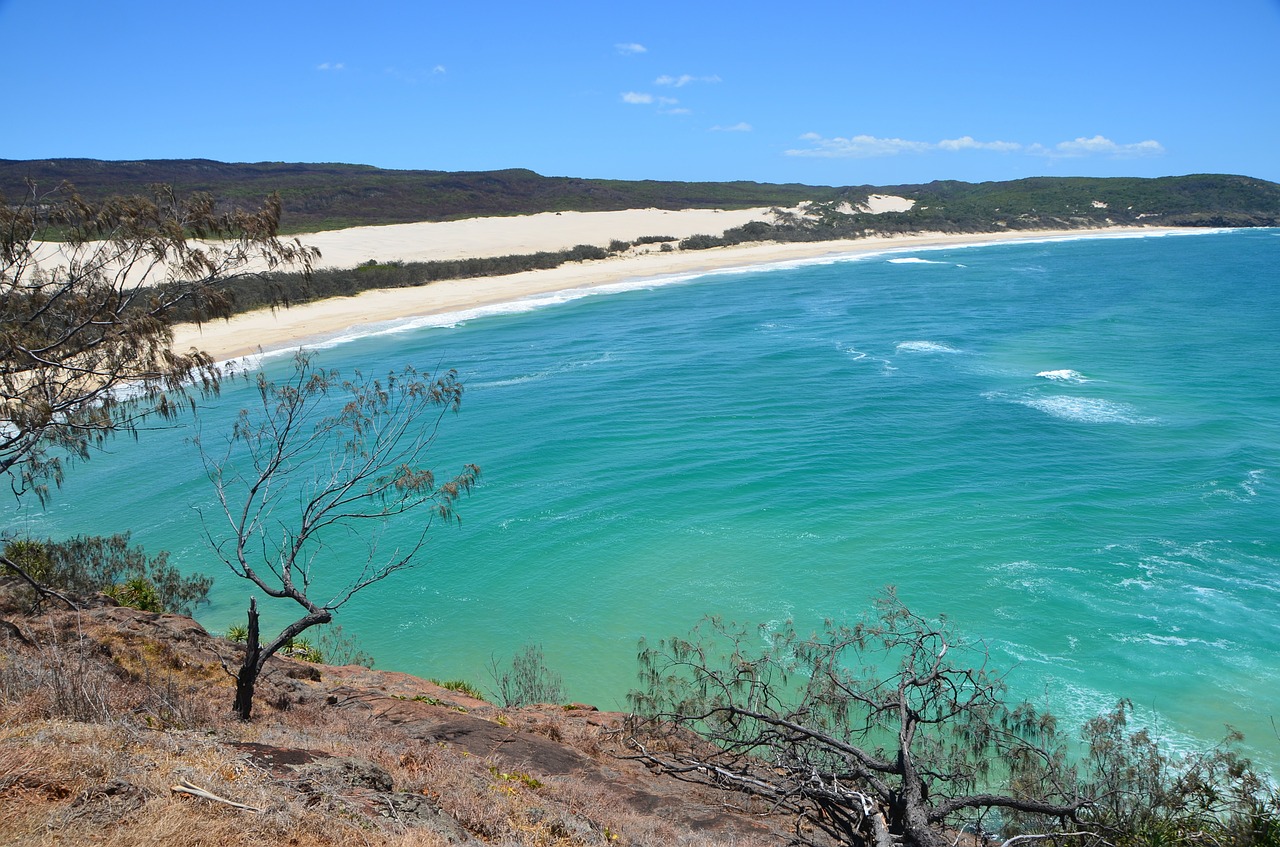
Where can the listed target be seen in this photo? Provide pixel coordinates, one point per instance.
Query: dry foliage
(105, 710)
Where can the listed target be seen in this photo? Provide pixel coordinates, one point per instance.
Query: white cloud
(869, 146)
(680, 111)
(438, 69)
(630, 49)
(331, 66)
(968, 143)
(741, 126)
(643, 98)
(1102, 146)
(683, 80)
(857, 147)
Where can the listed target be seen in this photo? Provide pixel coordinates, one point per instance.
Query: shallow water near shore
(1070, 448)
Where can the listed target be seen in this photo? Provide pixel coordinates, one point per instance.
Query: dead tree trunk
(247, 678)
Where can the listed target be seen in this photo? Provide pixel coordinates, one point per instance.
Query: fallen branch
(187, 787)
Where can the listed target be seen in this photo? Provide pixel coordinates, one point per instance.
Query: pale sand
(266, 330)
(548, 231)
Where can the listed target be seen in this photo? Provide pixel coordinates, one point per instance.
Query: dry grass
(98, 721)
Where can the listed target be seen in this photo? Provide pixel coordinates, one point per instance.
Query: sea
(1070, 448)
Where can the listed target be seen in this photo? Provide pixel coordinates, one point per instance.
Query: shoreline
(274, 330)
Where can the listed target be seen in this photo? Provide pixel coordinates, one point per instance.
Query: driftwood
(187, 787)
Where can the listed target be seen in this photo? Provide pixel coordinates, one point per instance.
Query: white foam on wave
(1172, 641)
(1064, 375)
(924, 347)
(1252, 481)
(538, 376)
(911, 260)
(1093, 410)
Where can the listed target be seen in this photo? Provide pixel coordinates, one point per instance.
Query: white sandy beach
(268, 330)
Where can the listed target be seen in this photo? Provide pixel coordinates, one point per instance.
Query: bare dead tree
(870, 734)
(318, 456)
(86, 293)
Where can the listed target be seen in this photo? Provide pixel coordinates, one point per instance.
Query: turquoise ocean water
(1071, 448)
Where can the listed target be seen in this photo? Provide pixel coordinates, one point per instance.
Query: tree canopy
(318, 455)
(86, 293)
(894, 730)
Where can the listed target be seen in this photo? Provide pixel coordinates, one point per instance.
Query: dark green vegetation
(895, 731)
(332, 196)
(85, 565)
(291, 288)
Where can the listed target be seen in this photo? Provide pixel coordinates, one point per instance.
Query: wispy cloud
(438, 69)
(1099, 146)
(740, 126)
(630, 49)
(968, 143)
(331, 66)
(683, 80)
(641, 98)
(857, 147)
(869, 146)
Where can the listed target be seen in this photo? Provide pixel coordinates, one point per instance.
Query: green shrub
(88, 564)
(137, 592)
(338, 648)
(528, 680)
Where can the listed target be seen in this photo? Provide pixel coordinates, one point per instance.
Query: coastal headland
(268, 330)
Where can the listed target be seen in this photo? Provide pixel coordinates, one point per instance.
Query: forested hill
(331, 196)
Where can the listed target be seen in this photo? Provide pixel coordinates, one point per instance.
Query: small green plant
(238, 633)
(301, 649)
(461, 686)
(422, 698)
(138, 592)
(516, 776)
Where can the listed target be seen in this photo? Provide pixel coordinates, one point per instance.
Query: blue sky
(820, 92)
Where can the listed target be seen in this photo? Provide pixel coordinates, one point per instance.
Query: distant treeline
(334, 196)
(331, 196)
